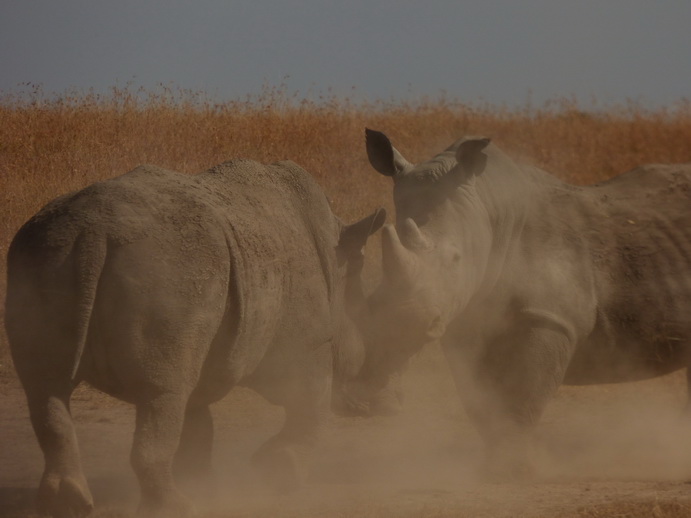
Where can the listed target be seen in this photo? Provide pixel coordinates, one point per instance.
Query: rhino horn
(354, 236)
(398, 262)
(412, 237)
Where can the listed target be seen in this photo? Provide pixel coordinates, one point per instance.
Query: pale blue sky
(499, 51)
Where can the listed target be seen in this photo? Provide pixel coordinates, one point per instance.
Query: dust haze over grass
(54, 144)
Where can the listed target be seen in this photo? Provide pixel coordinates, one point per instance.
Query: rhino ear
(382, 155)
(470, 157)
(354, 236)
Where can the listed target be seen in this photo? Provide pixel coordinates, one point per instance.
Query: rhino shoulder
(299, 182)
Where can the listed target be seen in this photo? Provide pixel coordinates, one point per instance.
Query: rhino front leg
(505, 390)
(63, 491)
(159, 424)
(283, 459)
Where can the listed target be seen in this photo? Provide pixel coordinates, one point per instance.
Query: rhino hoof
(280, 468)
(507, 472)
(64, 498)
(176, 507)
(386, 403)
(348, 406)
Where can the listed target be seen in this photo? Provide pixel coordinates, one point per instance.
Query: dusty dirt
(613, 450)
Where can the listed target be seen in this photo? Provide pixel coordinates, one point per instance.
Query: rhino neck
(508, 194)
(469, 237)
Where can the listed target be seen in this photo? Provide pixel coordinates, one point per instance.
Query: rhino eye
(456, 257)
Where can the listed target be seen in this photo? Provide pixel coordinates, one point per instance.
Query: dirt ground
(609, 450)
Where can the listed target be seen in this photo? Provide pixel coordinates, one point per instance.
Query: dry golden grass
(50, 145)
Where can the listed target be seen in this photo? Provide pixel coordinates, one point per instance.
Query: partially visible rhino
(529, 282)
(166, 290)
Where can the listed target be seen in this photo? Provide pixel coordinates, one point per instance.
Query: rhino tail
(89, 254)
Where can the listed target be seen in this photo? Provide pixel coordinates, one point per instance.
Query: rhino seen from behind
(166, 290)
(529, 282)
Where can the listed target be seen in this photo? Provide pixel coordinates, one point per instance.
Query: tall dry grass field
(51, 145)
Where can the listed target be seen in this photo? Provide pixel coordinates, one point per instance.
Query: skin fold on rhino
(529, 282)
(166, 290)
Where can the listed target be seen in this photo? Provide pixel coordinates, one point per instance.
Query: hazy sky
(499, 51)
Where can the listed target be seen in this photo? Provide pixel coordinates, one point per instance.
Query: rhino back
(148, 204)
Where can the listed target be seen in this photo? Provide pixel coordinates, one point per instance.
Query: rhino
(166, 290)
(528, 283)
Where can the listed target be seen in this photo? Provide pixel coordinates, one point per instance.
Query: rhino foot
(387, 402)
(360, 398)
(195, 479)
(346, 405)
(172, 507)
(280, 467)
(199, 487)
(514, 470)
(64, 497)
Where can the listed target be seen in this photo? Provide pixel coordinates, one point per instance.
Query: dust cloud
(595, 444)
(430, 457)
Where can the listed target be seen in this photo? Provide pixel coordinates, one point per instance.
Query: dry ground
(605, 451)
(619, 450)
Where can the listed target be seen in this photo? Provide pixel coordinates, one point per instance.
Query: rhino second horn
(397, 261)
(412, 237)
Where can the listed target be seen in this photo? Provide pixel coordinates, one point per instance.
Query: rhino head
(354, 325)
(433, 258)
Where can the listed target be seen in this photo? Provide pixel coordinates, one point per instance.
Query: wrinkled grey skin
(529, 282)
(166, 290)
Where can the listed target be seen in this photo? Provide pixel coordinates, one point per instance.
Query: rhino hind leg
(686, 412)
(159, 424)
(280, 465)
(192, 462)
(283, 460)
(389, 400)
(63, 491)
